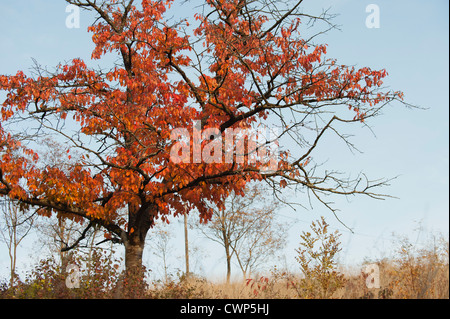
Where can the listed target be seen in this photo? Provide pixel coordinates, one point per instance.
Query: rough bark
(133, 257)
(141, 220)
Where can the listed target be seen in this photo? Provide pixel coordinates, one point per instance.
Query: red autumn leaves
(232, 70)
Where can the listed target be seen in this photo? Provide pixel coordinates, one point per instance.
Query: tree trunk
(131, 283)
(133, 257)
(228, 256)
(228, 268)
(140, 221)
(13, 266)
(186, 244)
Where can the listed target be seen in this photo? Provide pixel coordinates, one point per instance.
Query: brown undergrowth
(412, 272)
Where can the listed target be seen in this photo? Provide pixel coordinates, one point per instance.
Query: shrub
(317, 258)
(420, 273)
(98, 276)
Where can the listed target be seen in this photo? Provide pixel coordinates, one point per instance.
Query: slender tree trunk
(186, 244)
(243, 267)
(12, 256)
(228, 256)
(166, 274)
(13, 246)
(227, 249)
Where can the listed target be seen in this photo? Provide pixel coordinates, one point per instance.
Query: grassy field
(411, 273)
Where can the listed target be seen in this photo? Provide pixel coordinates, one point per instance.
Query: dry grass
(411, 273)
(415, 281)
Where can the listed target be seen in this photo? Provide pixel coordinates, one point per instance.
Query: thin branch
(83, 236)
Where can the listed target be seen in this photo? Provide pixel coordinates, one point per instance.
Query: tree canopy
(239, 65)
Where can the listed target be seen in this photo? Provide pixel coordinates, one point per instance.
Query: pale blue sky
(411, 43)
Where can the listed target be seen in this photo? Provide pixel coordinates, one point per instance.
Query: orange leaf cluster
(123, 117)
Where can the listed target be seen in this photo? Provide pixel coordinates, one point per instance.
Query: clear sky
(412, 44)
